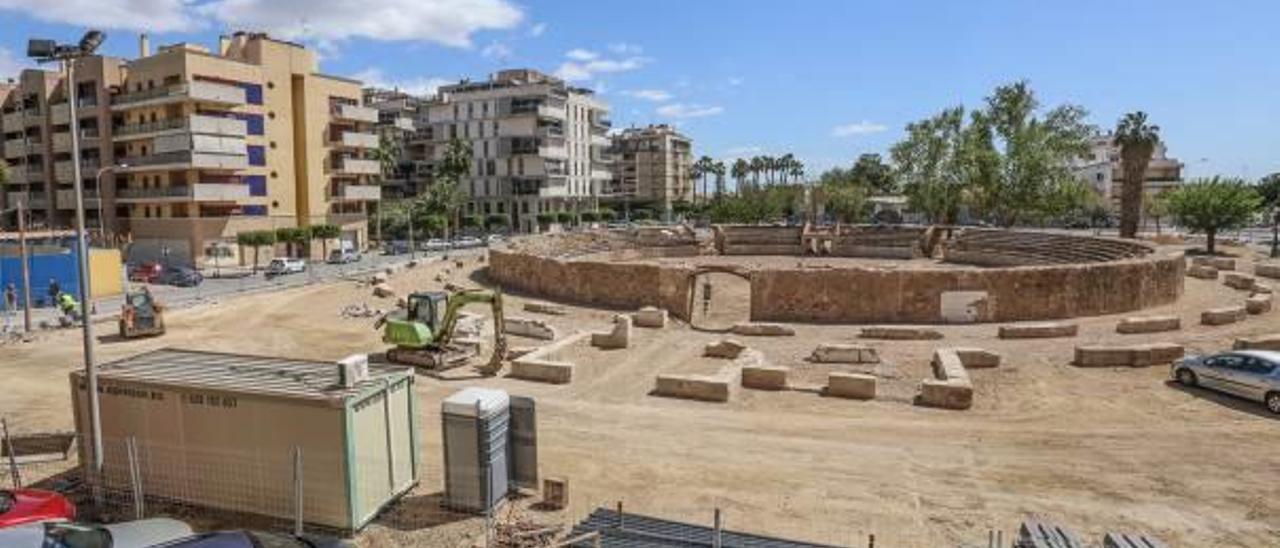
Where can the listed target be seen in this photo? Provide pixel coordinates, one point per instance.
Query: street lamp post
(102, 226)
(47, 51)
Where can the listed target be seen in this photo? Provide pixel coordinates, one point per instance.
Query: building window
(254, 210)
(257, 185)
(252, 93)
(257, 155)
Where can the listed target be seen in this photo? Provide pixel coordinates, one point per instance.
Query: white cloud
(857, 128)
(735, 81)
(537, 30)
(655, 95)
(683, 111)
(11, 65)
(579, 54)
(496, 50)
(374, 77)
(622, 48)
(447, 22)
(575, 71)
(148, 15)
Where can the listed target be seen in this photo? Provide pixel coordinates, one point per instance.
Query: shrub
(497, 220)
(564, 217)
(473, 221)
(590, 216)
(546, 218)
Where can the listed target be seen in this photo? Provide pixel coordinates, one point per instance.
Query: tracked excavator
(422, 333)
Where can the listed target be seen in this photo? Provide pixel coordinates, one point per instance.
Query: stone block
(1043, 330)
(765, 377)
(1103, 356)
(1259, 342)
(900, 333)
(1148, 324)
(378, 278)
(945, 394)
(1261, 288)
(1155, 354)
(542, 371)
(977, 358)
(1219, 263)
(1238, 280)
(618, 337)
(844, 353)
(1203, 272)
(383, 291)
(1267, 270)
(544, 308)
(693, 387)
(851, 385)
(763, 330)
(650, 317)
(947, 366)
(1223, 315)
(528, 327)
(1258, 304)
(724, 348)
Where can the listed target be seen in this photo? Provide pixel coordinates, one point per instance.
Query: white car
(281, 266)
(436, 244)
(130, 534)
(467, 242)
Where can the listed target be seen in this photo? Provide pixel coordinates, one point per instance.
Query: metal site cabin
(220, 430)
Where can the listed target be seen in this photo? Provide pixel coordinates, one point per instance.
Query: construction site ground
(1095, 449)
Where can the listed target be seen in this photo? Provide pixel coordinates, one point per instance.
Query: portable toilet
(490, 447)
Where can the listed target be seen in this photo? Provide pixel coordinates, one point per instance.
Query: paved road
(233, 284)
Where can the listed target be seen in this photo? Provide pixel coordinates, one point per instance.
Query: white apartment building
(1101, 168)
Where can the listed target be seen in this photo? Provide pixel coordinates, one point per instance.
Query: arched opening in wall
(718, 300)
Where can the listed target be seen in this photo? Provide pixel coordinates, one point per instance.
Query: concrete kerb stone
(1238, 280)
(1224, 315)
(977, 358)
(1267, 270)
(618, 337)
(1258, 304)
(724, 348)
(1261, 288)
(529, 327)
(1259, 342)
(384, 291)
(1148, 324)
(692, 387)
(951, 387)
(900, 333)
(378, 278)
(763, 330)
(1219, 263)
(844, 353)
(1042, 330)
(1203, 272)
(651, 317)
(1137, 355)
(856, 386)
(544, 308)
(540, 365)
(758, 375)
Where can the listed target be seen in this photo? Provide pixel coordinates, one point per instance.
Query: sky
(826, 80)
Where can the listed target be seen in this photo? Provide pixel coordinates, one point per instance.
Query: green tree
(387, 154)
(256, 239)
(718, 169)
(497, 220)
(564, 218)
(872, 173)
(847, 202)
(930, 167)
(1137, 140)
(545, 219)
(590, 216)
(324, 233)
(1156, 208)
(740, 170)
(473, 221)
(1269, 189)
(702, 168)
(1213, 205)
(445, 195)
(293, 238)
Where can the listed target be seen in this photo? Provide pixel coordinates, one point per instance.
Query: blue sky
(826, 80)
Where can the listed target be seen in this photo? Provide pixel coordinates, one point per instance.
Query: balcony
(33, 200)
(195, 123)
(15, 148)
(540, 109)
(18, 176)
(66, 198)
(204, 92)
(600, 173)
(600, 140)
(354, 166)
(353, 113)
(199, 192)
(62, 171)
(402, 123)
(184, 159)
(359, 192)
(355, 139)
(60, 114)
(12, 119)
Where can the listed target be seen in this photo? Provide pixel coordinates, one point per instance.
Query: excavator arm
(463, 298)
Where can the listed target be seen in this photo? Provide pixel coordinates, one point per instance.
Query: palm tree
(758, 165)
(741, 167)
(701, 169)
(796, 169)
(386, 155)
(718, 168)
(1137, 139)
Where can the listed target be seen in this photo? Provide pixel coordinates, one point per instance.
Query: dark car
(180, 276)
(256, 539)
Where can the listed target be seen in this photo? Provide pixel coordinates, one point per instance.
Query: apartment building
(538, 144)
(200, 145)
(651, 166)
(36, 127)
(398, 115)
(1101, 168)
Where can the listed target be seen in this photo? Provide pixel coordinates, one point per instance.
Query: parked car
(280, 266)
(467, 242)
(398, 247)
(1252, 374)
(436, 244)
(256, 539)
(343, 256)
(22, 506)
(180, 276)
(146, 272)
(130, 534)
(494, 239)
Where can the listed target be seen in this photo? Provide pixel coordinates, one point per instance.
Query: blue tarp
(59, 265)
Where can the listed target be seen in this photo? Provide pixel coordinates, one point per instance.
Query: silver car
(1252, 374)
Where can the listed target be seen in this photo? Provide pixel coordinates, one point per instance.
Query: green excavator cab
(417, 326)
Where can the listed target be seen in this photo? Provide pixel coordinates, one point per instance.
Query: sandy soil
(1095, 449)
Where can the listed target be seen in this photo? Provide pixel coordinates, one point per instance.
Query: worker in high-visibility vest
(69, 307)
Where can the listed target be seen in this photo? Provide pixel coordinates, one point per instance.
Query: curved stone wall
(868, 294)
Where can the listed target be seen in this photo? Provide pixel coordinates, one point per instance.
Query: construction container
(250, 433)
(489, 447)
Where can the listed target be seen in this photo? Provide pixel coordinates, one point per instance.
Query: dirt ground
(1094, 449)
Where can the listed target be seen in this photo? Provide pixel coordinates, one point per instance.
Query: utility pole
(26, 265)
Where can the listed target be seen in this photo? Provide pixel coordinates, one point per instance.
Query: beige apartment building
(203, 145)
(652, 166)
(1101, 168)
(538, 144)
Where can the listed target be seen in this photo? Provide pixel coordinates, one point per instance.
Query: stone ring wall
(1037, 283)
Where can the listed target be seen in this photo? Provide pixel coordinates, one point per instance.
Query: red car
(146, 272)
(33, 505)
